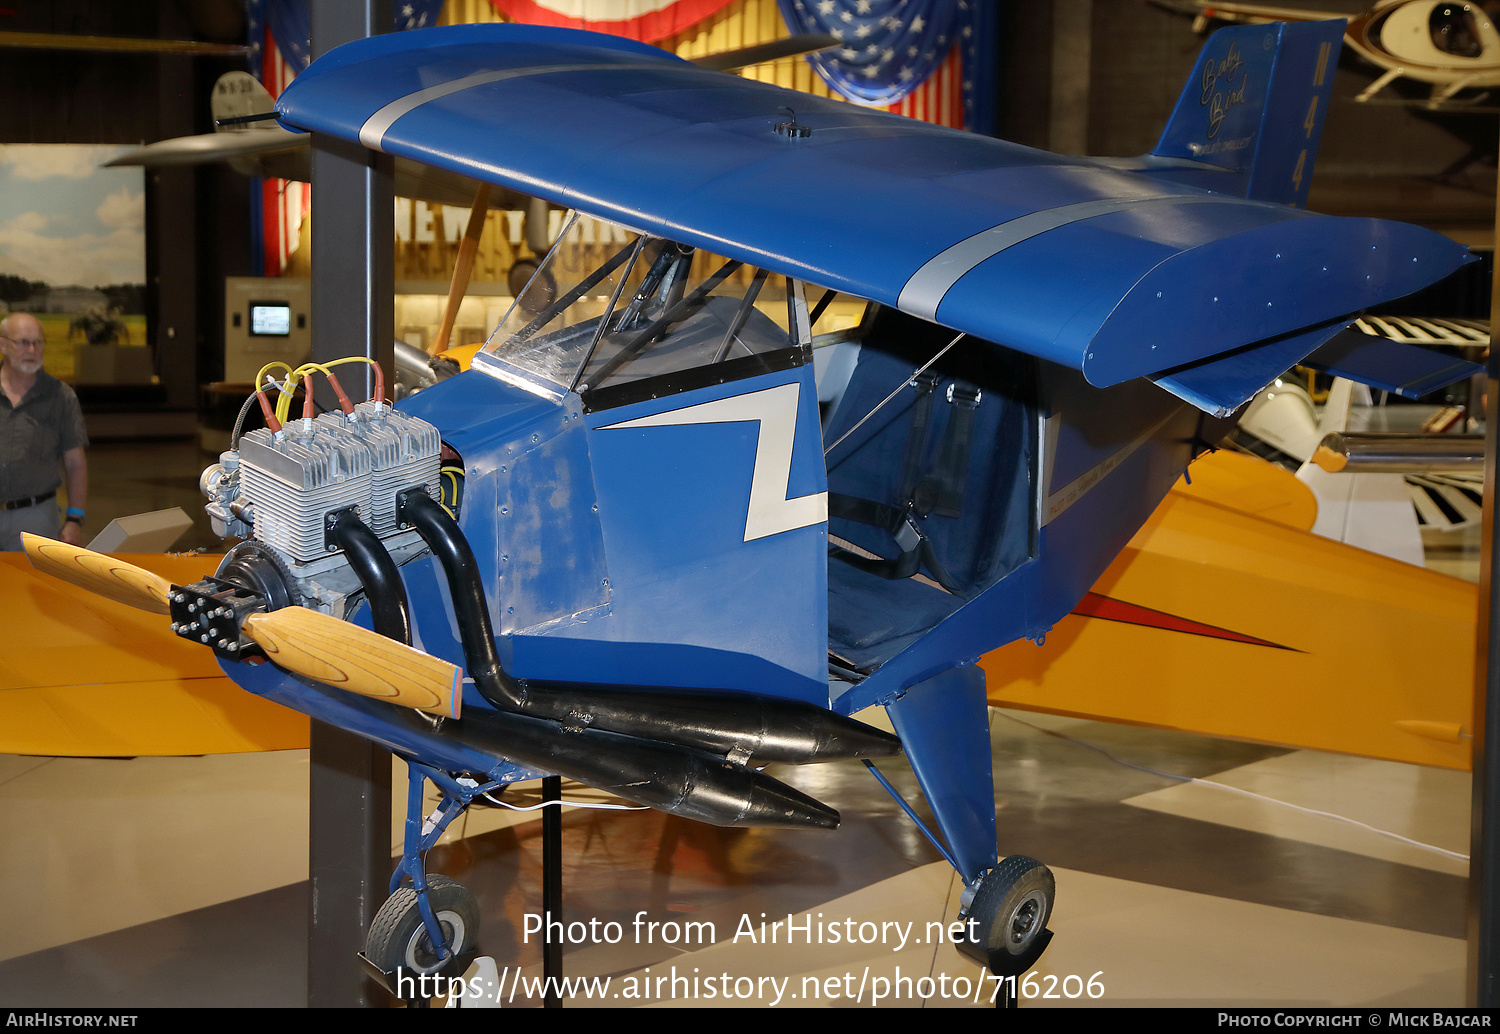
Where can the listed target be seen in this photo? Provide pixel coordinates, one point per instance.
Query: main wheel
(398, 937)
(1013, 904)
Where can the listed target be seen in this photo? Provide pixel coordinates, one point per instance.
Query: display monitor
(270, 319)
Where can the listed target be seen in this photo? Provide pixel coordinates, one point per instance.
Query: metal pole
(1484, 814)
(1072, 53)
(352, 297)
(552, 888)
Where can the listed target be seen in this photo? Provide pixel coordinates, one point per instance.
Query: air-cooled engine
(278, 489)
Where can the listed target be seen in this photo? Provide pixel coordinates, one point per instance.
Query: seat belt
(942, 492)
(900, 521)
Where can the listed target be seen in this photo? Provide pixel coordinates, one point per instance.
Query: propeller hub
(213, 612)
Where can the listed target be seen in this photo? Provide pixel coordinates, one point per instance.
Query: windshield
(610, 307)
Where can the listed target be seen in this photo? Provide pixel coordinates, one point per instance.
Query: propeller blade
(463, 267)
(98, 573)
(119, 44)
(345, 656)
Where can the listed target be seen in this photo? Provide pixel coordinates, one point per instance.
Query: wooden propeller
(98, 573)
(463, 267)
(345, 656)
(305, 642)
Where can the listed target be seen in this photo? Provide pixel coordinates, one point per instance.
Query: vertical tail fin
(236, 94)
(1254, 108)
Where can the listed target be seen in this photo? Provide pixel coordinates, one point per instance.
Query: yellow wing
(83, 676)
(1220, 622)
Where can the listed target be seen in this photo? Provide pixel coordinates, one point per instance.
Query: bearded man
(41, 429)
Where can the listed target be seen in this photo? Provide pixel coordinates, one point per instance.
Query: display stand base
(1006, 967)
(398, 980)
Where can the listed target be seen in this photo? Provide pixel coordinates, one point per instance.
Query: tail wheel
(1013, 904)
(398, 938)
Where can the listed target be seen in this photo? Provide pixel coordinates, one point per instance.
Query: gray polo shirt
(34, 436)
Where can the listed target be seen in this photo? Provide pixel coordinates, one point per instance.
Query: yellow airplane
(81, 675)
(1314, 644)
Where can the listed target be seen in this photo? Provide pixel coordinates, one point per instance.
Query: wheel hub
(421, 955)
(1023, 923)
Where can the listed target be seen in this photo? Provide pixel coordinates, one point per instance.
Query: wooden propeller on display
(304, 642)
(463, 267)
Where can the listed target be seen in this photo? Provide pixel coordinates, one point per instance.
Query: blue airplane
(641, 543)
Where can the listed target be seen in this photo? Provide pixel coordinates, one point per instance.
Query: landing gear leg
(429, 926)
(944, 728)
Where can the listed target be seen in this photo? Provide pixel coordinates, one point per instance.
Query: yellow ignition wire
(452, 474)
(282, 387)
(284, 403)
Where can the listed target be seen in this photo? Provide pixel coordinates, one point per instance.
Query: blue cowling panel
(1116, 273)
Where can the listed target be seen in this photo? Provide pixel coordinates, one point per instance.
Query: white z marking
(775, 409)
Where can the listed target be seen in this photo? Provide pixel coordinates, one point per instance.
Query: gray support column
(1484, 815)
(354, 279)
(1072, 55)
(352, 296)
(174, 265)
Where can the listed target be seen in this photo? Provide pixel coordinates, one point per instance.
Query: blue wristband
(74, 511)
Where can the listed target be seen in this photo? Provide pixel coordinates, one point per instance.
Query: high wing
(258, 149)
(266, 149)
(82, 676)
(937, 222)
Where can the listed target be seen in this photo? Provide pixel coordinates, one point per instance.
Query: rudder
(1254, 108)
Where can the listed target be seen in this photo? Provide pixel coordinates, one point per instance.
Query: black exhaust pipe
(447, 542)
(724, 722)
(729, 723)
(665, 776)
(390, 614)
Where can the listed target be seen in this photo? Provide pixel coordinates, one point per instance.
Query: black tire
(1013, 904)
(398, 937)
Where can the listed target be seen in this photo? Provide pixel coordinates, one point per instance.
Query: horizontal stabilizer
(1225, 383)
(1410, 371)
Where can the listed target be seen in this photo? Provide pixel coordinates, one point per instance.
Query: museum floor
(1190, 871)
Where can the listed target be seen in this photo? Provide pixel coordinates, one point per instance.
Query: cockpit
(623, 309)
(1454, 30)
(840, 465)
(1433, 34)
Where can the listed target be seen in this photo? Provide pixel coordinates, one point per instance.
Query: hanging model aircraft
(628, 547)
(1450, 45)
